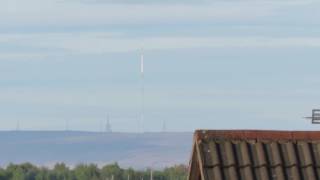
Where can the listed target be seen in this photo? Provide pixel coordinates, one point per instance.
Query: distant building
(255, 155)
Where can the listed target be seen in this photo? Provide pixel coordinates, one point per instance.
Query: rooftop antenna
(164, 126)
(142, 90)
(108, 125)
(315, 118)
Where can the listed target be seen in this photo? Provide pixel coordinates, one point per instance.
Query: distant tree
(129, 173)
(24, 171)
(43, 174)
(159, 175)
(3, 174)
(85, 172)
(178, 172)
(112, 170)
(61, 172)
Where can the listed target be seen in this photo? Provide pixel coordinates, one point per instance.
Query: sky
(209, 64)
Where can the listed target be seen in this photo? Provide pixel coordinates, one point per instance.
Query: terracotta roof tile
(257, 155)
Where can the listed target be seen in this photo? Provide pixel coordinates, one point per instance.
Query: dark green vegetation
(28, 171)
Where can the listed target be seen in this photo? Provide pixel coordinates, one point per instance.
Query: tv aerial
(315, 118)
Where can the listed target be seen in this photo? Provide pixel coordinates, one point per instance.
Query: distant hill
(137, 150)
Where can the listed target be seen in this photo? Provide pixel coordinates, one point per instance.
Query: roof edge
(257, 134)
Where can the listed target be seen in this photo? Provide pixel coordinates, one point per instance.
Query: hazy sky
(208, 64)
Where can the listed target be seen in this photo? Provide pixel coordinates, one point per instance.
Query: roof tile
(259, 155)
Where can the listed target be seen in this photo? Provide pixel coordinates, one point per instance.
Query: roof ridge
(258, 134)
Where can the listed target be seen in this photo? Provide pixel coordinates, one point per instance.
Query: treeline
(60, 171)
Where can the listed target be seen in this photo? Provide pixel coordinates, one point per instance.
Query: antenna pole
(164, 126)
(315, 118)
(142, 91)
(108, 126)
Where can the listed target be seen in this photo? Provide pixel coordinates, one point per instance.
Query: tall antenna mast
(164, 126)
(142, 90)
(142, 64)
(108, 125)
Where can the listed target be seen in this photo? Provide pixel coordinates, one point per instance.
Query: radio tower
(108, 125)
(142, 91)
(164, 126)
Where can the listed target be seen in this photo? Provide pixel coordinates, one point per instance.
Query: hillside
(73, 147)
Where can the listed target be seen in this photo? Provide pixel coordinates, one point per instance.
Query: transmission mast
(108, 125)
(142, 91)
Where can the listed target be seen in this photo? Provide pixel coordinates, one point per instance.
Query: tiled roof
(255, 155)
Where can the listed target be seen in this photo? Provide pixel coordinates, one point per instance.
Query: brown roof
(255, 155)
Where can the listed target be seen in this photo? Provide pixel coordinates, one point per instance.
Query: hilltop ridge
(137, 150)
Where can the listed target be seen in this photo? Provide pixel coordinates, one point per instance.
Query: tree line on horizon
(60, 171)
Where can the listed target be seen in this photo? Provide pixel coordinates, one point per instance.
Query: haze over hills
(137, 150)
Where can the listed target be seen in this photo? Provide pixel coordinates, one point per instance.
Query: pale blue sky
(208, 64)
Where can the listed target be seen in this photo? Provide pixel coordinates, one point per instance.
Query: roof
(255, 155)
